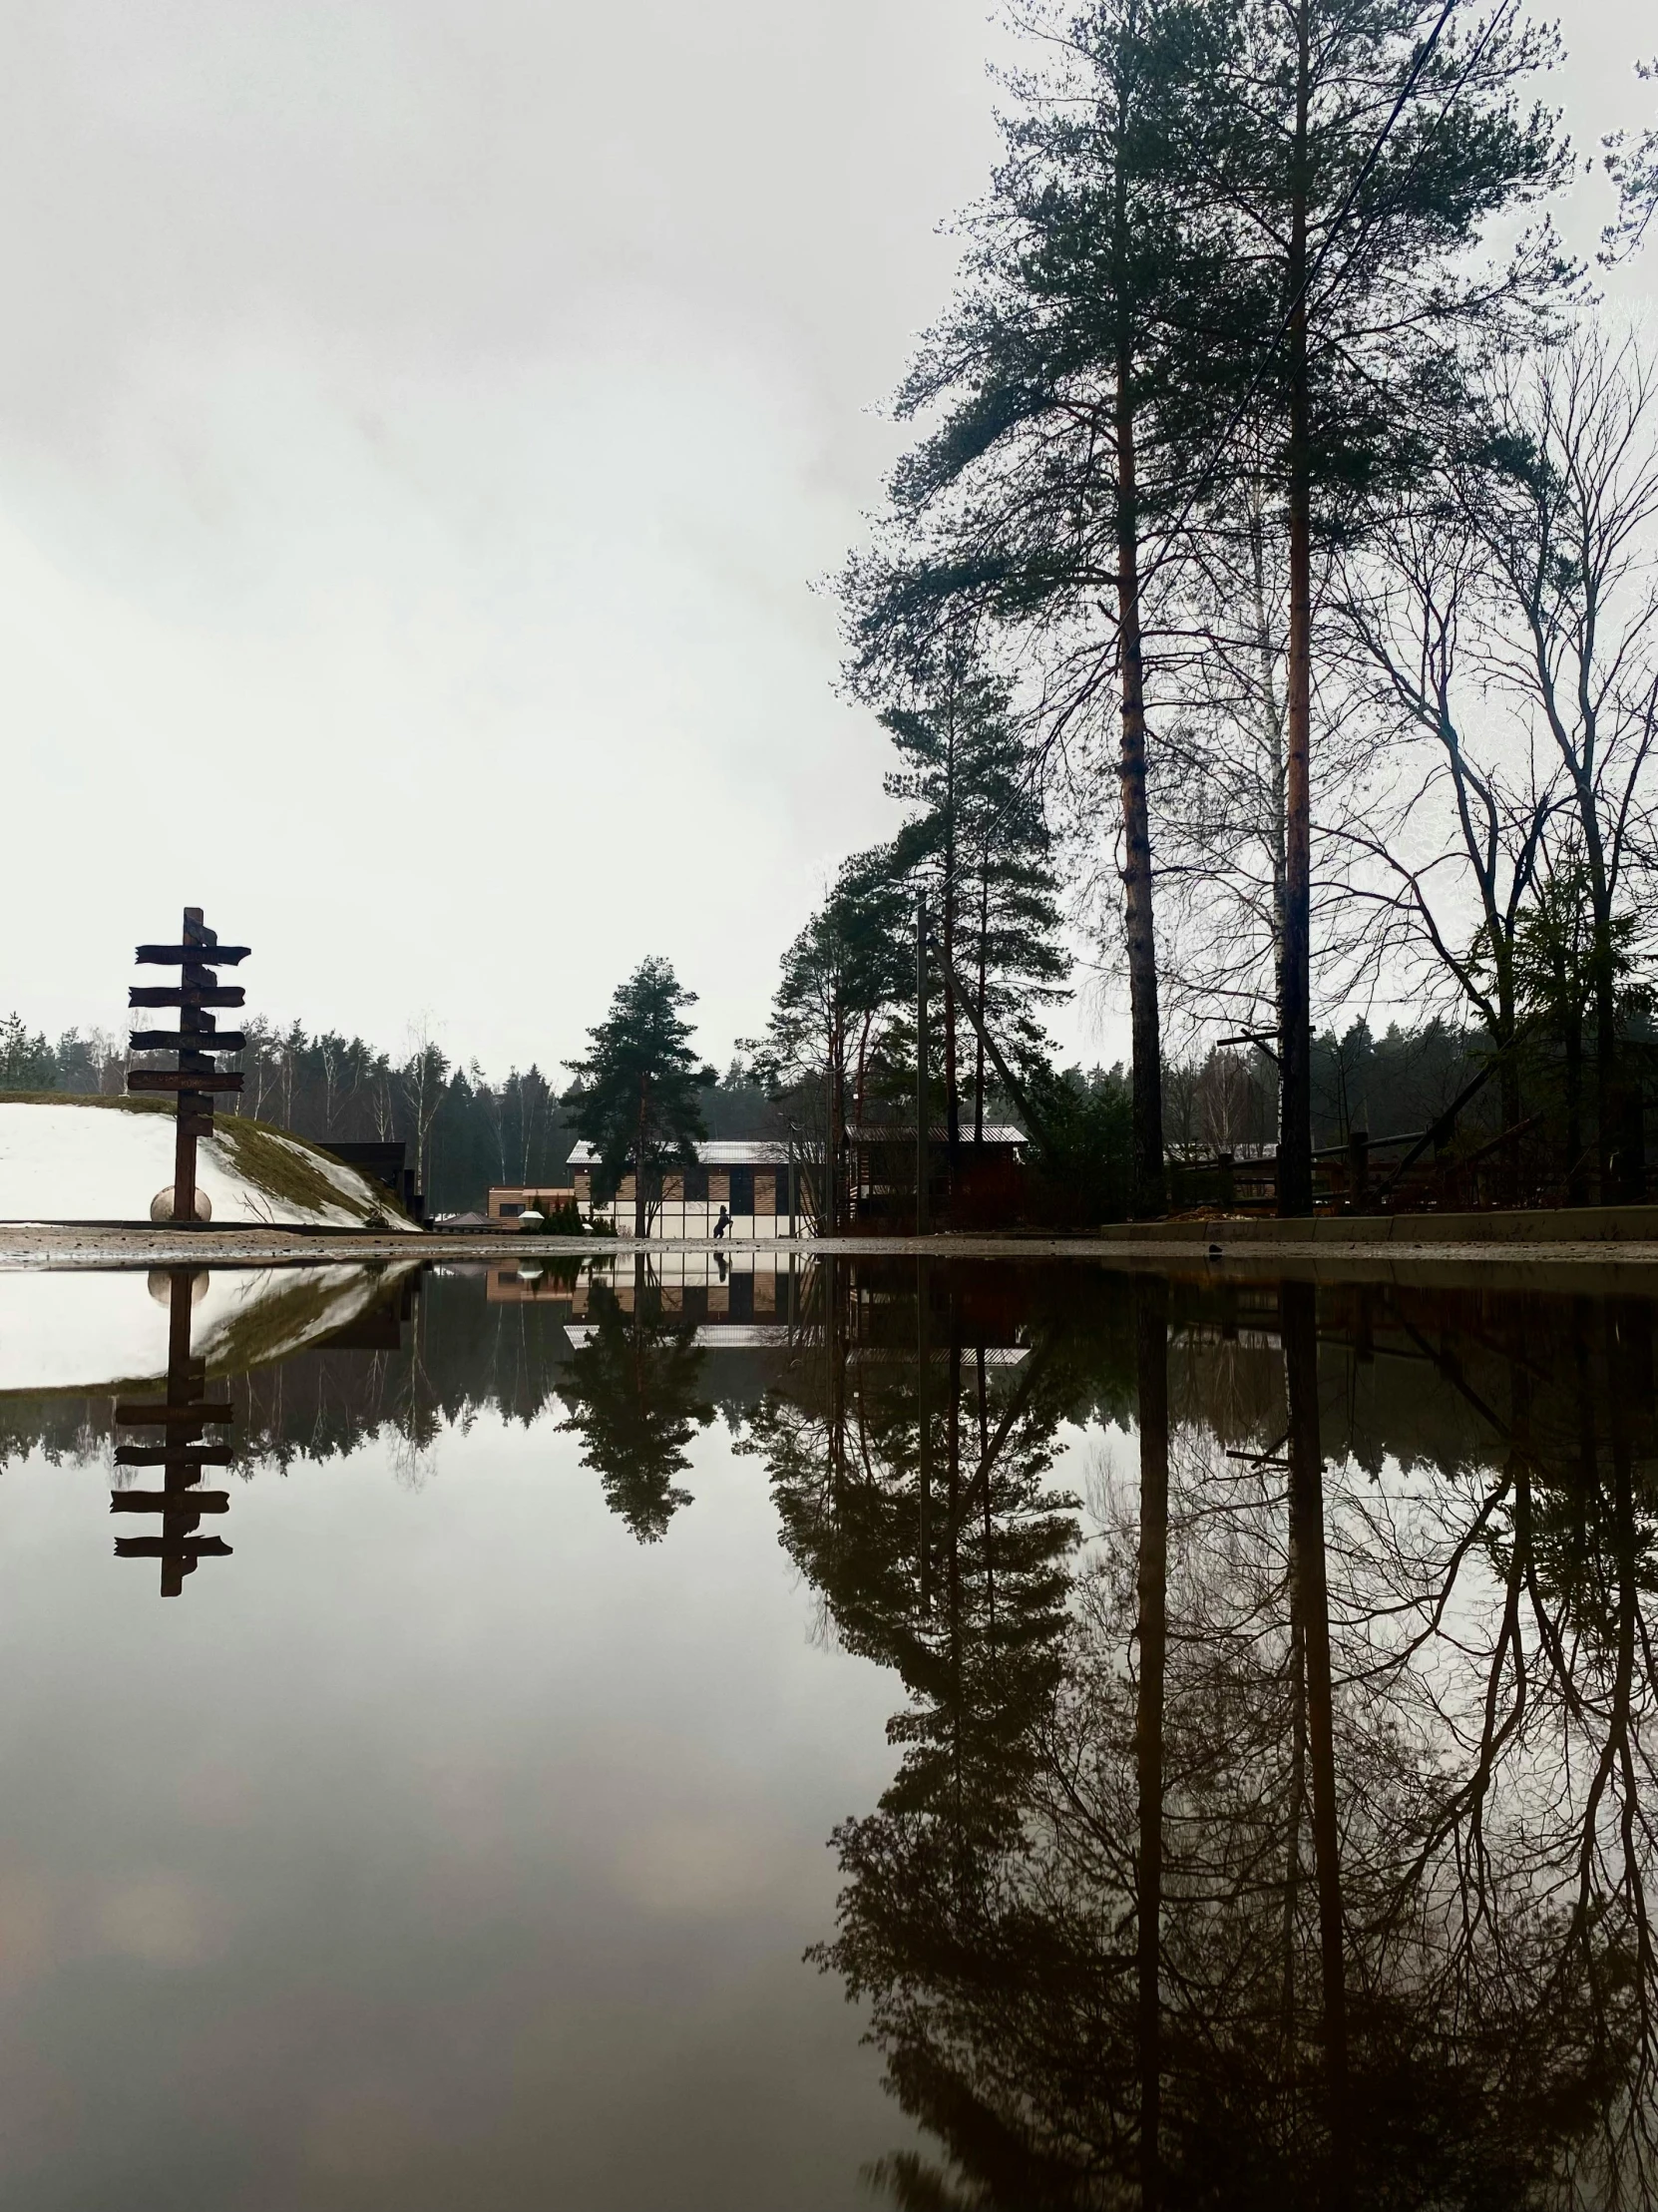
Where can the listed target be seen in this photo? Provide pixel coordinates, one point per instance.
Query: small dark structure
(197, 1038)
(181, 1416)
(882, 1164)
(383, 1162)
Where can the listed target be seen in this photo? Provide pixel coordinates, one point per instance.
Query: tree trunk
(1295, 1129)
(1608, 1102)
(1136, 829)
(953, 1565)
(979, 1030)
(638, 1157)
(1620, 1135)
(952, 1094)
(1151, 1301)
(1301, 1374)
(1577, 1186)
(1508, 1069)
(834, 1148)
(924, 1450)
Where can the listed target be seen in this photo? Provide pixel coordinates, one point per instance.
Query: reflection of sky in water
(441, 1846)
(457, 1838)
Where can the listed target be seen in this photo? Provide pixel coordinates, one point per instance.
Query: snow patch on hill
(104, 1159)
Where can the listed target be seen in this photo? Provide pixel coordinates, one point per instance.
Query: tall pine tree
(1053, 493)
(1371, 141)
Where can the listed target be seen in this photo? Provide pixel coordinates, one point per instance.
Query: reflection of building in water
(182, 1417)
(514, 1282)
(748, 1296)
(752, 1180)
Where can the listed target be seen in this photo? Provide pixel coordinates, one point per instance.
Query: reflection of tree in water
(1372, 1934)
(912, 1493)
(632, 1394)
(1542, 1567)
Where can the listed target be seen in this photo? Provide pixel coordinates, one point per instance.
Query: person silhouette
(722, 1224)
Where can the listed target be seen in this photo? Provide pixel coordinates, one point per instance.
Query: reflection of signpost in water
(195, 1040)
(181, 1416)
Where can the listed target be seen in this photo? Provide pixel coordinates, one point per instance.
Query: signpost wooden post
(182, 1449)
(195, 1040)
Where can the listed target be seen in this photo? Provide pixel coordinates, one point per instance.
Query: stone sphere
(160, 1205)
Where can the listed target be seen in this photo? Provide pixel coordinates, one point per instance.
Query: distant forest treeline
(469, 1131)
(464, 1130)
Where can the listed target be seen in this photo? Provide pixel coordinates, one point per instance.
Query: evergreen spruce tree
(844, 970)
(978, 840)
(636, 1094)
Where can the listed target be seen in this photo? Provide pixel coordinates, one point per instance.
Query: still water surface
(958, 1735)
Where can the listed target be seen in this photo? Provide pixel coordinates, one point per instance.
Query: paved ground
(1466, 1246)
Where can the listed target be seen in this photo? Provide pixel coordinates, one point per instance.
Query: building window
(509, 1209)
(742, 1190)
(696, 1186)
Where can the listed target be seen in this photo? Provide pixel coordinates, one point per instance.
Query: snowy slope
(105, 1159)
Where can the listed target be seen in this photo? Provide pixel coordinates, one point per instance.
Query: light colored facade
(750, 1179)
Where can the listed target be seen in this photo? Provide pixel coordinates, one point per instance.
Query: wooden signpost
(197, 1038)
(186, 1412)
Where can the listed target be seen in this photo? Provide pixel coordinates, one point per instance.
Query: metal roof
(717, 1152)
(904, 1132)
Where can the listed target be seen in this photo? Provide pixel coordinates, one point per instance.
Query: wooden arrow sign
(178, 1454)
(136, 1413)
(186, 1041)
(192, 956)
(172, 1548)
(187, 993)
(170, 1501)
(189, 1079)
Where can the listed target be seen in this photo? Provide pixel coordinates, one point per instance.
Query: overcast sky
(421, 428)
